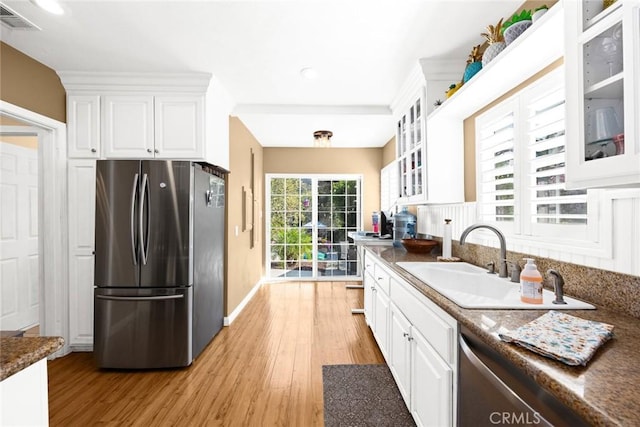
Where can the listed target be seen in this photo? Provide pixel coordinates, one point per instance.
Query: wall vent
(14, 21)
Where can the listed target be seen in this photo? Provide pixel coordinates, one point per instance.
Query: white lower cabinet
(376, 304)
(431, 385)
(400, 352)
(419, 342)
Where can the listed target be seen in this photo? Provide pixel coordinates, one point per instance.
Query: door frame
(267, 229)
(52, 221)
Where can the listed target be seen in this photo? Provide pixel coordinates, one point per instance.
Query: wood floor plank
(264, 369)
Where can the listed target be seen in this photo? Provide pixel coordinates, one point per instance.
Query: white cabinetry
(127, 126)
(82, 190)
(420, 347)
(161, 127)
(144, 116)
(25, 397)
(83, 126)
(603, 104)
(426, 167)
(376, 303)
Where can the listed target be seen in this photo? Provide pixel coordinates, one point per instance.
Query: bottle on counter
(375, 222)
(530, 283)
(446, 239)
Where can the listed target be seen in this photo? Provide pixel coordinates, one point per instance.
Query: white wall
(617, 248)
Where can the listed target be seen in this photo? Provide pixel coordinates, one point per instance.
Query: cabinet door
(400, 352)
(82, 178)
(432, 385)
(369, 286)
(411, 150)
(602, 101)
(127, 130)
(83, 126)
(381, 321)
(179, 127)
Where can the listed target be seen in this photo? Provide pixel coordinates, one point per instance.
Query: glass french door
(308, 221)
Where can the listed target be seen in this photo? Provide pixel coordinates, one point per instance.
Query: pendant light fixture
(322, 138)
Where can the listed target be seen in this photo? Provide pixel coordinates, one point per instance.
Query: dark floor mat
(362, 395)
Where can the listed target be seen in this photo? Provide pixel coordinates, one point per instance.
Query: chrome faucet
(558, 286)
(502, 269)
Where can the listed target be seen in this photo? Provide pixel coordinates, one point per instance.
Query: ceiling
(362, 51)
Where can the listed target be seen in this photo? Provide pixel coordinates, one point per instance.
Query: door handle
(134, 192)
(158, 298)
(144, 228)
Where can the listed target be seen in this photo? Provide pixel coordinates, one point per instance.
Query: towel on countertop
(562, 337)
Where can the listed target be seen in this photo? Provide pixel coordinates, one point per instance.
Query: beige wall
(245, 264)
(29, 84)
(364, 161)
(389, 152)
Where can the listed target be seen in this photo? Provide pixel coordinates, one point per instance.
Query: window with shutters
(520, 147)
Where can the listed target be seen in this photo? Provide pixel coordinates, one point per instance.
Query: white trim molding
(228, 320)
(52, 160)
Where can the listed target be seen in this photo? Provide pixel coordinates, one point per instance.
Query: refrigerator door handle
(144, 227)
(158, 298)
(134, 196)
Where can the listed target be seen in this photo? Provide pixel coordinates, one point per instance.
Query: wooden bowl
(419, 246)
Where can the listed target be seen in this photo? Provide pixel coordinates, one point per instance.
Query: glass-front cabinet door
(602, 93)
(410, 134)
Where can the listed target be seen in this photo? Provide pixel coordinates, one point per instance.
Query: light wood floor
(263, 370)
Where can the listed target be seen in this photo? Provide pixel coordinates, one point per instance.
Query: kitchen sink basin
(470, 286)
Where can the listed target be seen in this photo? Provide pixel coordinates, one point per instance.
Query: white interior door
(19, 265)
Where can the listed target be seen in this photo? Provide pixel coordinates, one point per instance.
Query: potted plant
(538, 12)
(453, 88)
(516, 25)
(495, 39)
(474, 64)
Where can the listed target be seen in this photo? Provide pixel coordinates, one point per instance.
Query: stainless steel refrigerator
(159, 262)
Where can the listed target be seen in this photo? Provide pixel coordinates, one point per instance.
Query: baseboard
(80, 347)
(231, 317)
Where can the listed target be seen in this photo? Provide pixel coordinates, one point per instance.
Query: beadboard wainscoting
(614, 245)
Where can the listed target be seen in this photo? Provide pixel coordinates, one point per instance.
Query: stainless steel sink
(470, 286)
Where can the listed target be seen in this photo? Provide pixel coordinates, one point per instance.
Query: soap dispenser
(530, 283)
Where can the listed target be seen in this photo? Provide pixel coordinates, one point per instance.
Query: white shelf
(536, 48)
(611, 87)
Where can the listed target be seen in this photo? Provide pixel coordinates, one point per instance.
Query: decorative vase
(537, 14)
(471, 70)
(492, 51)
(513, 31)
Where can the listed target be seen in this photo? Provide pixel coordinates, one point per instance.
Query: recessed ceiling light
(309, 73)
(51, 6)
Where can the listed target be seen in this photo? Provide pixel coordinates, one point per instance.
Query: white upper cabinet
(142, 116)
(127, 130)
(603, 104)
(179, 126)
(83, 126)
(429, 171)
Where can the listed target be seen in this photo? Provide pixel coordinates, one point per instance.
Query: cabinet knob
(405, 334)
(410, 338)
(156, 151)
(149, 150)
(93, 150)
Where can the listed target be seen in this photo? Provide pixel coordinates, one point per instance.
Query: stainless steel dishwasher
(493, 391)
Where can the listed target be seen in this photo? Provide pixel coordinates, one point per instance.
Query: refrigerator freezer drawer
(143, 328)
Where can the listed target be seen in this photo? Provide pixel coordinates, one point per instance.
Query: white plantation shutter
(496, 136)
(521, 165)
(551, 208)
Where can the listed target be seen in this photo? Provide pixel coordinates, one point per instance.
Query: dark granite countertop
(605, 392)
(19, 353)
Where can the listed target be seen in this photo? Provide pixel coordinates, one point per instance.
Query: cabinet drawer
(435, 325)
(382, 278)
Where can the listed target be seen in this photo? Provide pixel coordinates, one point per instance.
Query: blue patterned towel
(562, 337)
